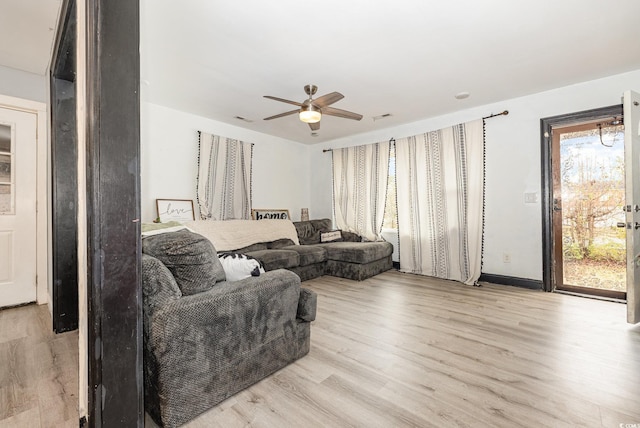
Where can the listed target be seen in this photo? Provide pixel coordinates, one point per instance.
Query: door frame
(546, 126)
(43, 235)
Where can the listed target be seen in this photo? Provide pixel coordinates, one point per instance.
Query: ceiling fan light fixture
(310, 114)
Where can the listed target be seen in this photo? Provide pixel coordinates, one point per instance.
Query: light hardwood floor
(401, 350)
(38, 371)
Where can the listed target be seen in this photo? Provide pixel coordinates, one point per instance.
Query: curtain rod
(503, 113)
(330, 150)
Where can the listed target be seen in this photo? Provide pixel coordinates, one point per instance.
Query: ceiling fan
(311, 110)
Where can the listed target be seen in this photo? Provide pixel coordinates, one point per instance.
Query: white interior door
(632, 185)
(17, 207)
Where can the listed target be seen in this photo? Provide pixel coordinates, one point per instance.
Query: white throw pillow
(332, 236)
(239, 266)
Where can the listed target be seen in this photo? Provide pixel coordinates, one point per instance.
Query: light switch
(530, 198)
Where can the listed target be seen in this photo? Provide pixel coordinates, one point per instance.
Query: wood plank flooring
(38, 371)
(396, 350)
(401, 350)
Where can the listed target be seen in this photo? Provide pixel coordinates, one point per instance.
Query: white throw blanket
(229, 235)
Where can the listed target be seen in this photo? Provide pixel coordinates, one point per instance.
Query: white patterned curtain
(224, 178)
(360, 187)
(440, 191)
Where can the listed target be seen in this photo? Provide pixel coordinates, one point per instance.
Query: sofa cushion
(190, 257)
(308, 272)
(280, 243)
(276, 259)
(252, 247)
(309, 254)
(357, 252)
(357, 271)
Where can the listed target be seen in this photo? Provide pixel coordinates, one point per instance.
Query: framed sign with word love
(175, 210)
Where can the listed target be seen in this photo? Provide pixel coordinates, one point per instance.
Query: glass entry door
(588, 200)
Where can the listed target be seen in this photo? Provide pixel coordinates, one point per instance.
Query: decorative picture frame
(180, 210)
(273, 214)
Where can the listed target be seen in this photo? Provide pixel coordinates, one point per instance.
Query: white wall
(170, 155)
(21, 84)
(512, 168)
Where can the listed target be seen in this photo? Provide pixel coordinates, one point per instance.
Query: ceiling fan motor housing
(311, 90)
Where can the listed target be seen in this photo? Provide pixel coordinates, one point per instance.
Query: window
(6, 171)
(391, 206)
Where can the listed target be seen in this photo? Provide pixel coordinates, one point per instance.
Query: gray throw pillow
(190, 257)
(351, 237)
(307, 234)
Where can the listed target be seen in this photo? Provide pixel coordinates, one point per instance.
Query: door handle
(556, 205)
(628, 225)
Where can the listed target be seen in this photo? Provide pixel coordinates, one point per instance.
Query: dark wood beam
(64, 174)
(113, 210)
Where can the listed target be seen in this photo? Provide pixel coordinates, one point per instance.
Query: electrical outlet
(506, 258)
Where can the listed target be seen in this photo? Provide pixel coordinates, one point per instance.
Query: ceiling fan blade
(314, 126)
(341, 113)
(287, 113)
(282, 100)
(327, 100)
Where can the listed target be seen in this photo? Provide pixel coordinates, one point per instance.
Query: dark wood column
(64, 174)
(113, 210)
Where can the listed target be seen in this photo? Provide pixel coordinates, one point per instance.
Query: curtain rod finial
(502, 113)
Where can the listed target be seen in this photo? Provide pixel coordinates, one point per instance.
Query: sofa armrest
(231, 315)
(307, 305)
(159, 287)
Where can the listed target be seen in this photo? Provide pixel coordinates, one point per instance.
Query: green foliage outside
(610, 252)
(613, 251)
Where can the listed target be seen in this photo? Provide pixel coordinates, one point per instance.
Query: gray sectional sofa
(205, 338)
(347, 257)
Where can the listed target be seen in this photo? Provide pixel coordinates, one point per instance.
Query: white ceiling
(404, 57)
(27, 32)
(217, 58)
